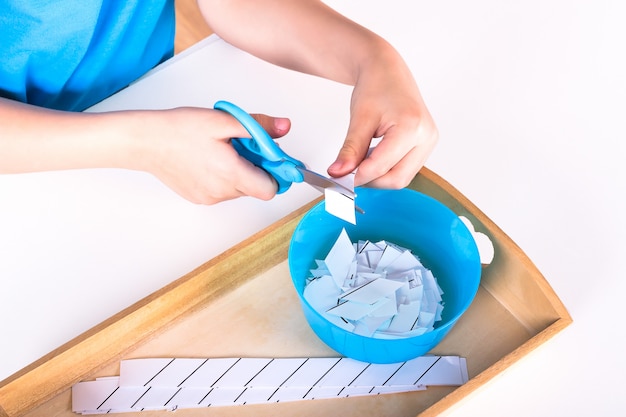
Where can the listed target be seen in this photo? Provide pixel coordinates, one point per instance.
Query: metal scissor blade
(321, 183)
(318, 180)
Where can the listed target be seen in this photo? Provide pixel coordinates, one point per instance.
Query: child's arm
(308, 36)
(186, 148)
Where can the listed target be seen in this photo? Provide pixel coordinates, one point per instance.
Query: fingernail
(281, 124)
(335, 166)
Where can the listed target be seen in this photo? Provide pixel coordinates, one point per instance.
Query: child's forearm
(35, 139)
(304, 35)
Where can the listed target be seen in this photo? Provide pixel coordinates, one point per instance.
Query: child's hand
(189, 150)
(386, 102)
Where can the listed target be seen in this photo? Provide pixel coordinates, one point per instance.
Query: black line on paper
(207, 394)
(287, 379)
(157, 374)
(260, 370)
(105, 400)
(294, 372)
(275, 391)
(226, 371)
(415, 322)
(355, 378)
(426, 371)
(345, 294)
(240, 394)
(320, 378)
(172, 397)
(394, 372)
(193, 372)
(140, 397)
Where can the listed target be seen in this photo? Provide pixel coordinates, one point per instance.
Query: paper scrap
(372, 291)
(338, 203)
(380, 289)
(339, 259)
(176, 383)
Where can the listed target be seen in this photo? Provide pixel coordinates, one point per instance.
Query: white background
(529, 98)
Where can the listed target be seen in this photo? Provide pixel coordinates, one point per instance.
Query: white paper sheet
(173, 383)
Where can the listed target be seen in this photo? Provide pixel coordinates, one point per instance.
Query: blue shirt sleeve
(69, 55)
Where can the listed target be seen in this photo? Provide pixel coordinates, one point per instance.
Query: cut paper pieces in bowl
(177, 383)
(375, 289)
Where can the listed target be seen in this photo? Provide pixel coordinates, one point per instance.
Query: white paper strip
(172, 383)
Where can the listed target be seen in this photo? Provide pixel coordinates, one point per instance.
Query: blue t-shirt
(69, 55)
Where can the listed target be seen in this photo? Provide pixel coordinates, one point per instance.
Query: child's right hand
(189, 150)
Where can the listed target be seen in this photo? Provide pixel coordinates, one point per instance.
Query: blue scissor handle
(261, 150)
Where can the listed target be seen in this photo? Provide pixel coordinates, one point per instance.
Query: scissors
(263, 152)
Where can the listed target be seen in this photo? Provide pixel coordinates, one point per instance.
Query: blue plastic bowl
(412, 220)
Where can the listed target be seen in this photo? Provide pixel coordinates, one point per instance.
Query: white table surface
(529, 98)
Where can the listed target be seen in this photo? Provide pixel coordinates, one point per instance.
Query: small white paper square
(339, 205)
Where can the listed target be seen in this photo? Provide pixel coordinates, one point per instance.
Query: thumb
(354, 149)
(275, 126)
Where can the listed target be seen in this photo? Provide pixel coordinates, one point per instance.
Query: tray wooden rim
(59, 370)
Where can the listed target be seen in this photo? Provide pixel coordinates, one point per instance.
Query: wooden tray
(242, 303)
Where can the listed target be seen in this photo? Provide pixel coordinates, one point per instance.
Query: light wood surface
(514, 312)
(190, 25)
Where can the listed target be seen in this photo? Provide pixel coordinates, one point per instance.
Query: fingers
(276, 127)
(254, 182)
(399, 156)
(360, 133)
(242, 177)
(398, 176)
(218, 184)
(401, 153)
(227, 126)
(246, 178)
